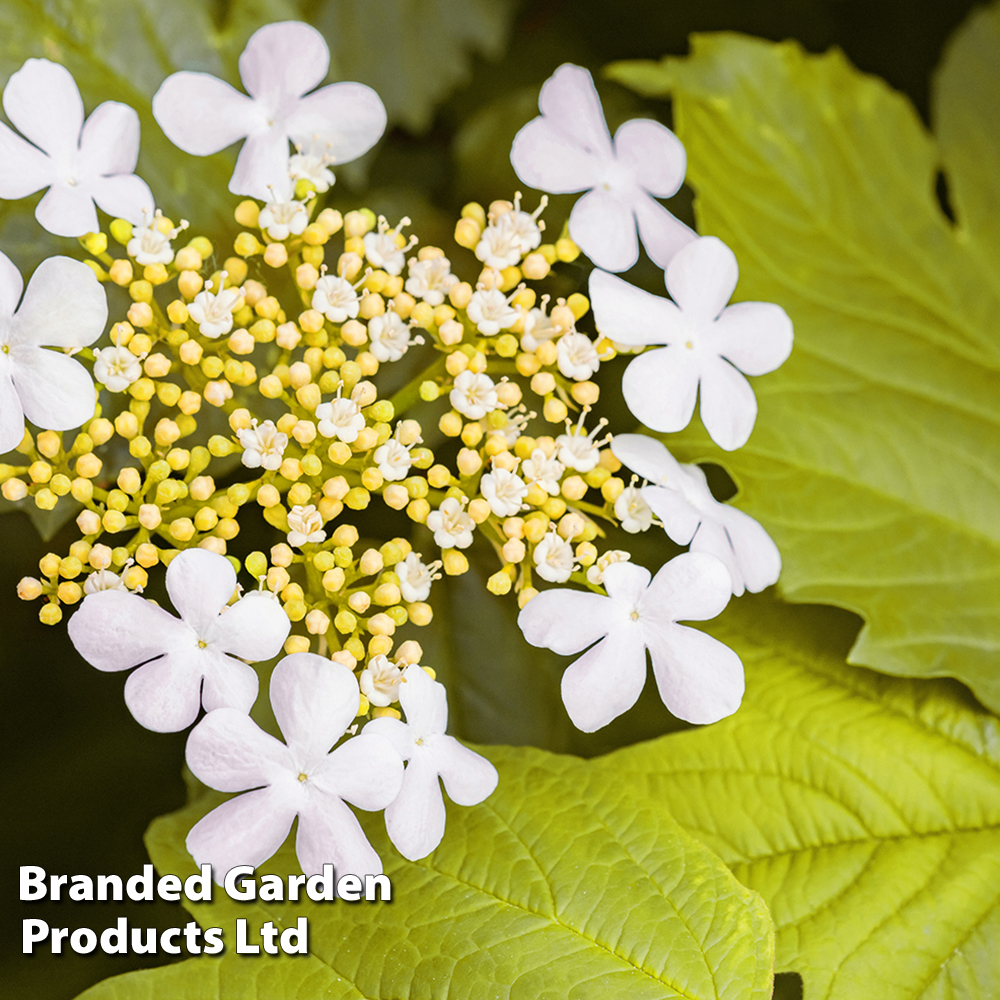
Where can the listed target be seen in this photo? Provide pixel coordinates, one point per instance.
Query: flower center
(303, 777)
(202, 644)
(634, 615)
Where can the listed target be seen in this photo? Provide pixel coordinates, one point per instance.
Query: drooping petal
(246, 830)
(367, 771)
(713, 538)
(109, 143)
(343, 121)
(254, 628)
(702, 277)
(228, 751)
(11, 415)
(64, 306)
(164, 695)
(646, 457)
(662, 233)
(567, 621)
(123, 196)
(201, 115)
(24, 169)
(570, 101)
(728, 405)
(314, 701)
(606, 681)
(415, 819)
(67, 211)
(424, 701)
(680, 520)
(283, 60)
(262, 166)
(11, 285)
(56, 392)
(629, 314)
(691, 587)
(653, 155)
(115, 630)
(43, 102)
(228, 682)
(754, 336)
(200, 583)
(546, 157)
(329, 833)
(660, 387)
(758, 556)
(603, 227)
(468, 777)
(699, 678)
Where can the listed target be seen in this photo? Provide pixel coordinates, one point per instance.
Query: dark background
(81, 780)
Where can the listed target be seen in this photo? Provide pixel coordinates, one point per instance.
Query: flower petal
(283, 60)
(728, 405)
(314, 701)
(567, 621)
(201, 114)
(646, 457)
(24, 169)
(228, 751)
(56, 392)
(626, 583)
(661, 386)
(200, 584)
(570, 101)
(629, 314)
(702, 277)
(395, 731)
(262, 166)
(756, 553)
(546, 157)
(603, 227)
(756, 337)
(662, 234)
(329, 833)
(227, 682)
(43, 102)
(123, 196)
(415, 819)
(64, 306)
(699, 678)
(606, 681)
(693, 586)
(67, 211)
(342, 121)
(254, 628)
(11, 415)
(164, 695)
(246, 830)
(713, 539)
(424, 701)
(468, 777)
(680, 519)
(109, 143)
(367, 771)
(653, 155)
(114, 630)
(11, 286)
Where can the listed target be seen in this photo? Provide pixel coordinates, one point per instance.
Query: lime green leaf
(562, 884)
(864, 809)
(874, 462)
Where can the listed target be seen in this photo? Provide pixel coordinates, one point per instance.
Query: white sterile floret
(393, 460)
(389, 336)
(430, 280)
(680, 498)
(595, 573)
(305, 525)
(281, 63)
(312, 168)
(504, 491)
(190, 661)
(386, 248)
(544, 471)
(577, 356)
(150, 244)
(415, 819)
(315, 701)
(283, 218)
(707, 344)
(474, 394)
(213, 311)
(79, 162)
(116, 367)
(499, 245)
(263, 445)
(568, 148)
(554, 559)
(104, 579)
(452, 527)
(380, 681)
(336, 298)
(416, 577)
(492, 311)
(340, 418)
(632, 511)
(699, 679)
(65, 307)
(579, 450)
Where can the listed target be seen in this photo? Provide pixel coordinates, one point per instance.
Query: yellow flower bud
(113, 521)
(543, 383)
(14, 489)
(573, 488)
(455, 563)
(381, 624)
(29, 589)
(554, 410)
(268, 496)
(359, 602)
(467, 233)
(87, 466)
(296, 644)
(50, 614)
(585, 393)
(317, 623)
(612, 489)
(291, 469)
(139, 313)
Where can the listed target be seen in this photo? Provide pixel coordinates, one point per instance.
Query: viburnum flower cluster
(491, 449)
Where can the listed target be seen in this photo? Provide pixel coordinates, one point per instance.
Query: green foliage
(864, 809)
(874, 463)
(563, 883)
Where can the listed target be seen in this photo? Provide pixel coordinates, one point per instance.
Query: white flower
(283, 218)
(415, 578)
(554, 558)
(315, 700)
(680, 498)
(452, 527)
(543, 470)
(104, 579)
(569, 148)
(116, 367)
(430, 280)
(517, 422)
(504, 492)
(474, 394)
(80, 163)
(389, 336)
(491, 311)
(706, 343)
(579, 450)
(280, 64)
(577, 356)
(526, 228)
(380, 681)
(340, 418)
(65, 307)
(312, 168)
(499, 245)
(149, 243)
(595, 574)
(382, 246)
(336, 298)
(263, 446)
(415, 820)
(699, 679)
(186, 662)
(393, 460)
(213, 312)
(538, 327)
(305, 525)
(631, 509)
